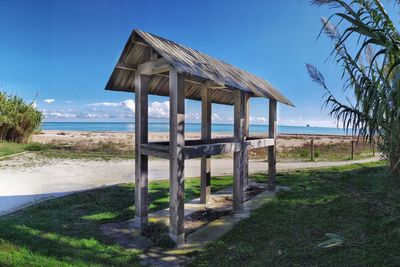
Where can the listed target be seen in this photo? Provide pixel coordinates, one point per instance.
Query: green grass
(9, 148)
(358, 202)
(322, 152)
(103, 151)
(65, 231)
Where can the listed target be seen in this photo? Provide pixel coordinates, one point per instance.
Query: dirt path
(28, 178)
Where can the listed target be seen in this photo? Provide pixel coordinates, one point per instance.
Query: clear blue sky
(65, 51)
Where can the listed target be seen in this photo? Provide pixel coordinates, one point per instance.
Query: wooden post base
(140, 222)
(178, 239)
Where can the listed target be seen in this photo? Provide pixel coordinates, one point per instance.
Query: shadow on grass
(357, 202)
(65, 231)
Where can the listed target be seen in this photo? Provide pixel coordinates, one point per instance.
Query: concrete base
(194, 241)
(140, 222)
(179, 239)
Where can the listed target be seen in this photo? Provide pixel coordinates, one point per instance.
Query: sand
(127, 139)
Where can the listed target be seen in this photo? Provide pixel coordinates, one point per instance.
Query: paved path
(27, 179)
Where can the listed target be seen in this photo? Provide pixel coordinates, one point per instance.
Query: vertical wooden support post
(373, 148)
(238, 162)
(352, 149)
(246, 134)
(205, 172)
(177, 161)
(312, 149)
(141, 161)
(272, 149)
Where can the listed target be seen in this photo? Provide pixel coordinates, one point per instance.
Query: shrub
(304, 153)
(36, 147)
(18, 119)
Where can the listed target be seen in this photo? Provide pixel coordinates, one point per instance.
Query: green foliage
(36, 147)
(304, 153)
(66, 231)
(18, 120)
(372, 72)
(358, 203)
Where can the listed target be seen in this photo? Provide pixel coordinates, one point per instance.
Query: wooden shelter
(153, 65)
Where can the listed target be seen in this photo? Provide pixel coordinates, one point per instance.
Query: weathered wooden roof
(198, 66)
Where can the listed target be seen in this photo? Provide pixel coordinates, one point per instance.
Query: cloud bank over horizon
(158, 111)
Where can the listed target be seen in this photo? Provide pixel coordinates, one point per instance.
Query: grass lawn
(357, 202)
(65, 231)
(8, 148)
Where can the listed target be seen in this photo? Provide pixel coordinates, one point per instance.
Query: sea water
(189, 127)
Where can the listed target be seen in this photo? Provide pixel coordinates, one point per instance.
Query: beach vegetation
(18, 119)
(371, 72)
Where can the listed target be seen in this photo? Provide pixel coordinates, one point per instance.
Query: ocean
(189, 127)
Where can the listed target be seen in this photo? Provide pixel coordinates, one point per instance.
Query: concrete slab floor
(128, 237)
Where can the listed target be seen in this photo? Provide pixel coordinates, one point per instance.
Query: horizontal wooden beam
(251, 144)
(198, 151)
(155, 150)
(199, 148)
(141, 43)
(154, 67)
(126, 66)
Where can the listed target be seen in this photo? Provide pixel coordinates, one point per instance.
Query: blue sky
(66, 50)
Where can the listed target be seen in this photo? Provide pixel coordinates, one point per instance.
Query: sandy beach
(126, 139)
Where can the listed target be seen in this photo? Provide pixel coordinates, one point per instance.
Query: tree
(372, 73)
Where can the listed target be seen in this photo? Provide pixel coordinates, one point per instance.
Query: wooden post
(373, 148)
(238, 157)
(177, 161)
(272, 149)
(352, 149)
(312, 149)
(246, 134)
(141, 160)
(205, 173)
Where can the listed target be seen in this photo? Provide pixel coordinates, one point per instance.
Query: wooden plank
(272, 149)
(195, 142)
(177, 161)
(251, 144)
(153, 67)
(210, 149)
(205, 169)
(155, 150)
(141, 160)
(238, 163)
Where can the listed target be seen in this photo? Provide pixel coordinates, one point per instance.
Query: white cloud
(303, 122)
(106, 104)
(130, 104)
(258, 120)
(159, 110)
(49, 101)
(215, 117)
(58, 115)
